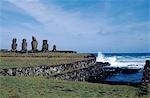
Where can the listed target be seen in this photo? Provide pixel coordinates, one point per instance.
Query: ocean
(124, 60)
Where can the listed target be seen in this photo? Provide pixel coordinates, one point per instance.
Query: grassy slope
(9, 60)
(49, 54)
(40, 87)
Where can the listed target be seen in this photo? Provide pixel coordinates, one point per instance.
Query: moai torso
(24, 45)
(34, 44)
(54, 48)
(14, 45)
(45, 46)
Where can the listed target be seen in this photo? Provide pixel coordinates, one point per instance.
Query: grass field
(9, 60)
(49, 55)
(40, 87)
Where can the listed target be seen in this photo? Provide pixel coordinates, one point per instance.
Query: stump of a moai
(54, 48)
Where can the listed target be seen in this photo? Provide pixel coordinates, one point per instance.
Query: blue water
(128, 78)
(125, 58)
(128, 57)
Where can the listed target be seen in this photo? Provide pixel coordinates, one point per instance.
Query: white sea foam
(121, 61)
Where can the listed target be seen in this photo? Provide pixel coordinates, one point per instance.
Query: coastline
(73, 80)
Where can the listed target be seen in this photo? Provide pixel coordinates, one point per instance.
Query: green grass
(50, 54)
(10, 60)
(149, 89)
(40, 87)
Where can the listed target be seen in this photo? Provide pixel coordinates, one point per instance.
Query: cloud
(53, 16)
(55, 19)
(87, 26)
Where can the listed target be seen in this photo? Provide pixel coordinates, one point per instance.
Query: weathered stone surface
(24, 46)
(45, 46)
(77, 71)
(14, 45)
(83, 74)
(46, 70)
(146, 79)
(34, 44)
(54, 48)
(146, 74)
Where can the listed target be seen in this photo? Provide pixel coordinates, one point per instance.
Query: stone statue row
(34, 45)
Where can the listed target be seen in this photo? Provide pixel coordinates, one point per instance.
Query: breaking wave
(123, 60)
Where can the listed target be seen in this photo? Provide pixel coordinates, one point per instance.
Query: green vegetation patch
(49, 54)
(10, 60)
(40, 87)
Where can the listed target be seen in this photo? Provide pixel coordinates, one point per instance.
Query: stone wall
(146, 73)
(145, 86)
(46, 70)
(93, 73)
(86, 70)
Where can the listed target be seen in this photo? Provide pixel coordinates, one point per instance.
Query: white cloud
(61, 26)
(54, 18)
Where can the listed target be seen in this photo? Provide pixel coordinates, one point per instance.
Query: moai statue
(14, 45)
(54, 48)
(45, 46)
(24, 46)
(34, 44)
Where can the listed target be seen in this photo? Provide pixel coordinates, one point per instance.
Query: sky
(86, 26)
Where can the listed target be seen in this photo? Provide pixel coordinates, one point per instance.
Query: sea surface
(123, 60)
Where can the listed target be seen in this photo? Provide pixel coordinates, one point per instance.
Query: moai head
(33, 38)
(14, 45)
(45, 46)
(24, 45)
(34, 44)
(54, 48)
(24, 40)
(14, 40)
(44, 42)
